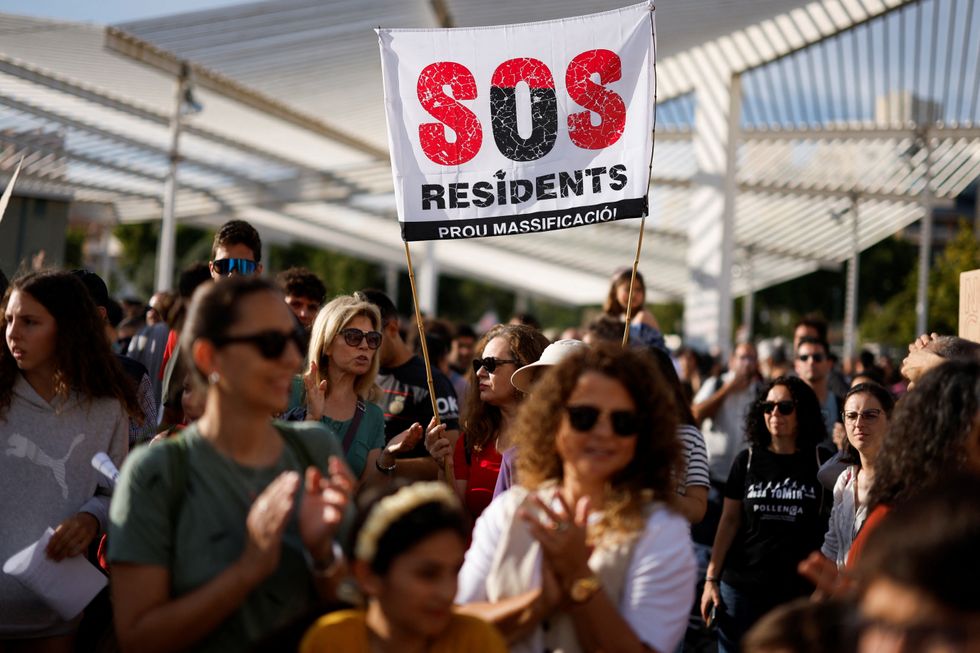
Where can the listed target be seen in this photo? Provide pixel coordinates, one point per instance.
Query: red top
(875, 518)
(168, 351)
(480, 474)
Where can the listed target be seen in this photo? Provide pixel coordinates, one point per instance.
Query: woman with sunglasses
(771, 517)
(587, 553)
(867, 408)
(488, 413)
(225, 533)
(340, 388)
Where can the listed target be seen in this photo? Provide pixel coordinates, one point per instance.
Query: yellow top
(346, 632)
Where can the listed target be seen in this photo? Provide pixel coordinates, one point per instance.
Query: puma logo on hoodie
(21, 447)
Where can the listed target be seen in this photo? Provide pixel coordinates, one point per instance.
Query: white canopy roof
(837, 96)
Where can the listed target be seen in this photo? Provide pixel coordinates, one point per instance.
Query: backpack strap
(355, 423)
(296, 443)
(178, 462)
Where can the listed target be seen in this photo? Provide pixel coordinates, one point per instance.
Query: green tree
(893, 322)
(74, 245)
(340, 273)
(139, 241)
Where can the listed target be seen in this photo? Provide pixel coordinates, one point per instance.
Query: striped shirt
(695, 455)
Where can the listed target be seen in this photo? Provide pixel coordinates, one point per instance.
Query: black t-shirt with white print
(405, 400)
(781, 521)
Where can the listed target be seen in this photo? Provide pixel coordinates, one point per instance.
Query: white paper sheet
(103, 463)
(67, 586)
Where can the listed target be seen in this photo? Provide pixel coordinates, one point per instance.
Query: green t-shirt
(370, 435)
(209, 531)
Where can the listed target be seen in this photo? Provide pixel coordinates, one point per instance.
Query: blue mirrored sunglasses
(227, 266)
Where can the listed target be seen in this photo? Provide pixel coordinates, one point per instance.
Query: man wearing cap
(524, 379)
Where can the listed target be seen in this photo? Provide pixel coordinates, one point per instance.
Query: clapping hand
(322, 506)
(562, 535)
(404, 441)
(265, 524)
(316, 394)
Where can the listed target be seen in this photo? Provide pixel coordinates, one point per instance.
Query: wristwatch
(585, 588)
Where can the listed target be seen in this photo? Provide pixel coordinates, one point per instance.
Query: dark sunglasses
(869, 415)
(271, 344)
(625, 423)
(226, 266)
(817, 358)
(354, 336)
(784, 407)
(490, 363)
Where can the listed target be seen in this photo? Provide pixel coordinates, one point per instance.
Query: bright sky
(106, 12)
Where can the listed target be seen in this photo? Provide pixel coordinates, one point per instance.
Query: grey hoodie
(46, 476)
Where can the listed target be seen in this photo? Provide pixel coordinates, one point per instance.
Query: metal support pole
(168, 228)
(976, 211)
(522, 302)
(265, 253)
(105, 265)
(925, 241)
(391, 282)
(851, 298)
(429, 280)
(710, 254)
(748, 303)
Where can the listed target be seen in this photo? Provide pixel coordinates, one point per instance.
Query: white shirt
(659, 588)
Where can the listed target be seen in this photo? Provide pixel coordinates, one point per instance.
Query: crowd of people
(295, 477)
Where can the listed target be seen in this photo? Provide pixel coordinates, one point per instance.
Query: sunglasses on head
(625, 423)
(490, 363)
(271, 344)
(354, 336)
(784, 407)
(227, 266)
(817, 358)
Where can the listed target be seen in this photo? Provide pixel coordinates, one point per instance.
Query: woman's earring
(213, 378)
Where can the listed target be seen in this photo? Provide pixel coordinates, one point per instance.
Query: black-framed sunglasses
(271, 344)
(817, 358)
(490, 363)
(353, 337)
(784, 407)
(227, 266)
(869, 415)
(625, 423)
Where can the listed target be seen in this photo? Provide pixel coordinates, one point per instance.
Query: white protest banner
(520, 128)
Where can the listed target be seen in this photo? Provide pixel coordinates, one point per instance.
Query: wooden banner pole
(629, 300)
(425, 356)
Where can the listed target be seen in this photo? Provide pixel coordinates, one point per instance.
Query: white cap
(553, 354)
